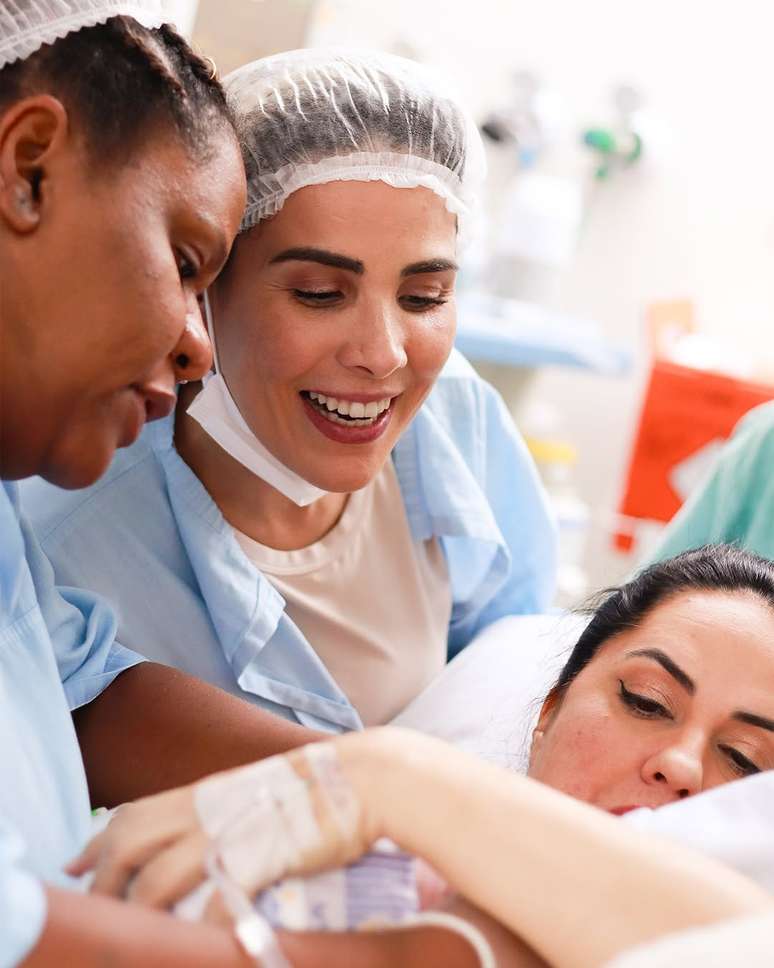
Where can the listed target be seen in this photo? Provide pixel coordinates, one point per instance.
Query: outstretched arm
(518, 850)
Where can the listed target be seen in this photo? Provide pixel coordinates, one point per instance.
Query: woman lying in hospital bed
(667, 694)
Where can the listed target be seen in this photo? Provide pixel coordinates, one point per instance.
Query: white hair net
(26, 25)
(307, 117)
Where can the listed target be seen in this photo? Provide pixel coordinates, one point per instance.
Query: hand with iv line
(506, 842)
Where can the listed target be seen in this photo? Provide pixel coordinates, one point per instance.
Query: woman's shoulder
(132, 476)
(460, 396)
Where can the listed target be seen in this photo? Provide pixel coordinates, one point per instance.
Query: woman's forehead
(705, 632)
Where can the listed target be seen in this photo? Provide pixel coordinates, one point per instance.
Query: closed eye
(418, 303)
(642, 705)
(739, 761)
(317, 296)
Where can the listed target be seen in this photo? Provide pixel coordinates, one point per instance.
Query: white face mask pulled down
(216, 412)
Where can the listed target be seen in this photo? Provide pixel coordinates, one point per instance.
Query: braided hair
(117, 79)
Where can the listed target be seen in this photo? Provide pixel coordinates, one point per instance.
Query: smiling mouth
(347, 413)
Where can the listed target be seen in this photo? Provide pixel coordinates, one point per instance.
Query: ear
(547, 712)
(32, 132)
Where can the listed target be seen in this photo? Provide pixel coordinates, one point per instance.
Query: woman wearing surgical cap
(121, 188)
(342, 503)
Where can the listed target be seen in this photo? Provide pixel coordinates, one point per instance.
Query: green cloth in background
(736, 503)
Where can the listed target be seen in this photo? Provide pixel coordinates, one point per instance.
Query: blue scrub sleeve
(82, 627)
(22, 902)
(519, 504)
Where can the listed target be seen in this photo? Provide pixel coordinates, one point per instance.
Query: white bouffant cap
(26, 25)
(307, 117)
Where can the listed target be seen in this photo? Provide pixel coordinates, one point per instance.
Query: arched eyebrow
(669, 665)
(322, 256)
(754, 719)
(430, 265)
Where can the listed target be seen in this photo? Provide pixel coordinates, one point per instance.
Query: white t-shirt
(373, 603)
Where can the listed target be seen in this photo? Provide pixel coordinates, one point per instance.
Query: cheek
(270, 349)
(429, 344)
(578, 753)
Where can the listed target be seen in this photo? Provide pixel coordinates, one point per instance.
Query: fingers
(137, 833)
(120, 860)
(171, 874)
(88, 857)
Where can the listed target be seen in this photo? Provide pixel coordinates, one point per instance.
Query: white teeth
(353, 409)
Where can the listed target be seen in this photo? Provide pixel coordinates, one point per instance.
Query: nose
(190, 359)
(376, 346)
(192, 356)
(676, 767)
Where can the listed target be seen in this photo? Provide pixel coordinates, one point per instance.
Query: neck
(247, 502)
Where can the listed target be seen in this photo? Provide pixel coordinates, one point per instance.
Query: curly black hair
(118, 79)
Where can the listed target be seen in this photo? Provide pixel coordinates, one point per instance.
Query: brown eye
(186, 267)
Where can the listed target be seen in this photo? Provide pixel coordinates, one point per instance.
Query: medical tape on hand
(472, 934)
(267, 820)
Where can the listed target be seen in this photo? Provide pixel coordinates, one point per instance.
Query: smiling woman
(342, 503)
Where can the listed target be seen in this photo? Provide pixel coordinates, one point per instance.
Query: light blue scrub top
(57, 652)
(149, 537)
(736, 503)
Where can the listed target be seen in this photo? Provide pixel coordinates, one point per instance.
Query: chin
(73, 472)
(345, 480)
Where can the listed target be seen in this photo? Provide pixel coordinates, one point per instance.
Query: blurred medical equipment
(619, 145)
(539, 197)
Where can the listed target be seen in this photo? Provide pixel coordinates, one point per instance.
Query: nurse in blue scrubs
(101, 263)
(343, 504)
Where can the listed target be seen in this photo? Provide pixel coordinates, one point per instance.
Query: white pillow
(488, 698)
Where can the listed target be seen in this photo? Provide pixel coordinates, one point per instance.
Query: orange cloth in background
(684, 410)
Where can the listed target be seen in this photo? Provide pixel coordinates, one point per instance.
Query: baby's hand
(433, 890)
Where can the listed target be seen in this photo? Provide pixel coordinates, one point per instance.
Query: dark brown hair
(120, 79)
(713, 568)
